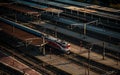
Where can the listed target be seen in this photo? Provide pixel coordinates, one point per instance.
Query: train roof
(57, 40)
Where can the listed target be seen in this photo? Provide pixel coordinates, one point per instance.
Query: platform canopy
(53, 10)
(22, 10)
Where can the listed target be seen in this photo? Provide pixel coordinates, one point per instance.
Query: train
(56, 43)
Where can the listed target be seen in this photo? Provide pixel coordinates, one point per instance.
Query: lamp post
(89, 51)
(103, 50)
(50, 53)
(55, 32)
(85, 11)
(43, 47)
(85, 29)
(117, 58)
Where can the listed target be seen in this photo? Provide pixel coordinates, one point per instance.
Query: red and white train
(56, 43)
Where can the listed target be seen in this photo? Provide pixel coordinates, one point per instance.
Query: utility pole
(84, 11)
(84, 29)
(13, 28)
(55, 31)
(89, 61)
(15, 17)
(43, 47)
(80, 46)
(117, 58)
(50, 53)
(103, 50)
(89, 51)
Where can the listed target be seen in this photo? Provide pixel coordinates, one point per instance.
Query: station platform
(78, 9)
(91, 6)
(95, 57)
(62, 64)
(22, 35)
(15, 64)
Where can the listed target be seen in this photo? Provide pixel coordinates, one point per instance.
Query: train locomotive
(58, 44)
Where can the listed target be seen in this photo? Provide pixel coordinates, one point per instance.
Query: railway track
(97, 67)
(27, 60)
(37, 58)
(74, 55)
(110, 24)
(104, 37)
(38, 61)
(33, 62)
(86, 20)
(89, 34)
(89, 6)
(78, 25)
(94, 64)
(55, 56)
(79, 63)
(108, 40)
(74, 58)
(71, 57)
(74, 9)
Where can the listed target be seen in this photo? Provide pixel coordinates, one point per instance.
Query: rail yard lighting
(117, 59)
(103, 50)
(15, 17)
(85, 11)
(55, 31)
(89, 51)
(13, 29)
(50, 53)
(43, 46)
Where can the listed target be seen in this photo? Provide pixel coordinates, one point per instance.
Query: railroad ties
(18, 67)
